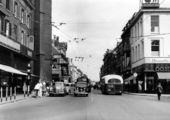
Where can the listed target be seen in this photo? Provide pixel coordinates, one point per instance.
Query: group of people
(40, 89)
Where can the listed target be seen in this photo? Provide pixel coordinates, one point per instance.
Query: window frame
(152, 52)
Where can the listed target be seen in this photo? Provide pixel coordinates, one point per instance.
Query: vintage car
(82, 86)
(57, 88)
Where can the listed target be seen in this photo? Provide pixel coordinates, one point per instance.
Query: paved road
(94, 107)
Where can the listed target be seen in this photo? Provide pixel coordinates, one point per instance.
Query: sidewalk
(12, 100)
(147, 94)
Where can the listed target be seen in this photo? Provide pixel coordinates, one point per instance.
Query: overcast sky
(100, 22)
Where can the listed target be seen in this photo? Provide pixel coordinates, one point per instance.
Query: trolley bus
(112, 84)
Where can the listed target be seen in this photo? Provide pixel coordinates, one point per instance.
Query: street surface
(94, 107)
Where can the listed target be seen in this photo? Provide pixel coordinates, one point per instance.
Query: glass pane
(155, 48)
(155, 42)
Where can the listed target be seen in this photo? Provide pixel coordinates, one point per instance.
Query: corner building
(150, 48)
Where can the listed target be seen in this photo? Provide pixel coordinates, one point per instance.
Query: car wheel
(75, 95)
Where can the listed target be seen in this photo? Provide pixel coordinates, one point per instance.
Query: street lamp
(29, 77)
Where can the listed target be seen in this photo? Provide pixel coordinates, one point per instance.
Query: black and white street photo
(84, 60)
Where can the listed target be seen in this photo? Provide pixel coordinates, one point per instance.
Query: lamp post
(29, 77)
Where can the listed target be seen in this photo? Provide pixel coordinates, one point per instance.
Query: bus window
(114, 81)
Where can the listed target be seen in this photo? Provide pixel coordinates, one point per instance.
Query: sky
(91, 27)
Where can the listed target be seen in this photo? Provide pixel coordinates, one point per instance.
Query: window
(0, 2)
(22, 37)
(28, 21)
(136, 53)
(139, 51)
(16, 9)
(8, 4)
(7, 28)
(22, 15)
(155, 24)
(141, 27)
(155, 47)
(15, 32)
(142, 48)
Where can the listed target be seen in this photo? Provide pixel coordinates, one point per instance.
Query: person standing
(36, 89)
(40, 88)
(159, 90)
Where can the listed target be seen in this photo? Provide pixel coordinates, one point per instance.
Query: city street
(94, 107)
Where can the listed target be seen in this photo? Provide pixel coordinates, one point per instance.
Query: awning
(163, 75)
(11, 69)
(129, 78)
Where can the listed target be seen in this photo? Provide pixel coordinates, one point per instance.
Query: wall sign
(162, 67)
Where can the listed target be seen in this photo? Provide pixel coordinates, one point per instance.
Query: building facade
(16, 42)
(150, 51)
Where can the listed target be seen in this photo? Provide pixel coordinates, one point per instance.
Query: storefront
(149, 75)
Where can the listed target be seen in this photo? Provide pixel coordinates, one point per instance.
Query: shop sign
(29, 53)
(162, 68)
(160, 60)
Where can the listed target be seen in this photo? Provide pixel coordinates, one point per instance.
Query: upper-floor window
(28, 21)
(0, 2)
(154, 23)
(155, 47)
(7, 28)
(15, 32)
(8, 4)
(141, 27)
(22, 37)
(16, 9)
(22, 15)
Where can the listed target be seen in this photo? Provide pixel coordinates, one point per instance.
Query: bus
(82, 86)
(112, 84)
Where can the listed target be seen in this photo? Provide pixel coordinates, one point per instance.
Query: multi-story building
(60, 63)
(150, 51)
(16, 41)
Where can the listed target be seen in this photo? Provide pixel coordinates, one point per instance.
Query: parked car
(57, 88)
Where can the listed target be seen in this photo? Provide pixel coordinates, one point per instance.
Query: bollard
(1, 94)
(10, 93)
(6, 93)
(14, 92)
(28, 89)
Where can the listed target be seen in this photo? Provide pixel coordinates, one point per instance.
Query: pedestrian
(159, 90)
(40, 88)
(36, 89)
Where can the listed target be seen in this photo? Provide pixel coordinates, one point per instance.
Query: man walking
(159, 90)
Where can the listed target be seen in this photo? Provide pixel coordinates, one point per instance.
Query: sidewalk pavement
(12, 99)
(146, 94)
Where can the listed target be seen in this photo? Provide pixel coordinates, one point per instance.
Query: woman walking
(159, 90)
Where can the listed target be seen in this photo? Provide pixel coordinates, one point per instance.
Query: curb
(15, 100)
(153, 95)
